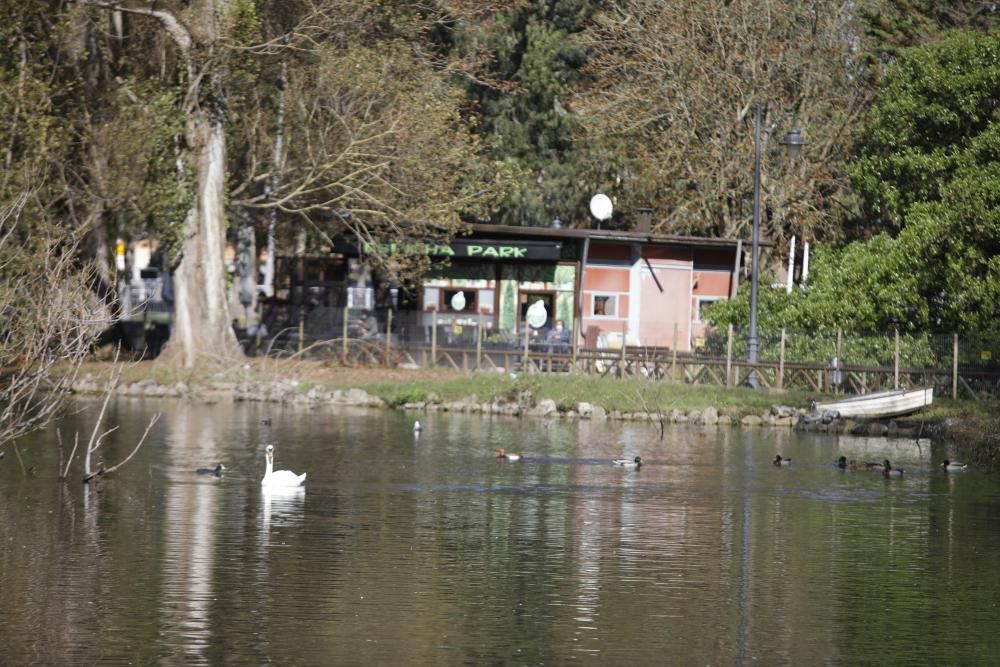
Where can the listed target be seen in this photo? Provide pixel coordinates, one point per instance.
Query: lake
(427, 550)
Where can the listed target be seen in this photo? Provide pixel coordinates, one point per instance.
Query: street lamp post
(792, 142)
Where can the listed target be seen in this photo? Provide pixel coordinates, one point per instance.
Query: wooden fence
(967, 381)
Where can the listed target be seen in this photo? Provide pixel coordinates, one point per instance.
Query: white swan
(274, 477)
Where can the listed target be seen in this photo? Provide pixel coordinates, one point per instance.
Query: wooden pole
(621, 370)
(343, 338)
(434, 338)
(576, 344)
(673, 356)
(302, 332)
(479, 343)
(524, 365)
(729, 356)
(895, 367)
(954, 367)
(840, 358)
(260, 323)
(388, 337)
(781, 361)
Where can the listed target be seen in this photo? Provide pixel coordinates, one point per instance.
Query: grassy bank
(398, 387)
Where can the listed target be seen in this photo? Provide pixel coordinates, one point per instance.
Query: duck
(217, 470)
(625, 463)
(274, 477)
(953, 466)
(417, 428)
(779, 460)
(889, 471)
(266, 421)
(841, 463)
(504, 456)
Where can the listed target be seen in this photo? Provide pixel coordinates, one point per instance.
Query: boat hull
(881, 404)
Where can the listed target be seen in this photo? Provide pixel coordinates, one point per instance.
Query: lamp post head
(793, 142)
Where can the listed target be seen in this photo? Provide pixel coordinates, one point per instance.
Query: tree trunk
(202, 328)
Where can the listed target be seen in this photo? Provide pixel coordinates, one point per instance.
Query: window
(700, 303)
(604, 305)
(458, 301)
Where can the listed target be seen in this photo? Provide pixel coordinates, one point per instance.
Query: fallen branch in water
(107, 471)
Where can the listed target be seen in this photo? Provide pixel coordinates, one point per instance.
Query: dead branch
(107, 471)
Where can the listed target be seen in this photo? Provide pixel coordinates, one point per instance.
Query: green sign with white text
(475, 249)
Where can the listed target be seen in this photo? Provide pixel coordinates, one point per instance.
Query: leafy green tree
(895, 25)
(930, 174)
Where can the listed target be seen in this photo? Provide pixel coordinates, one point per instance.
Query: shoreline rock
(523, 404)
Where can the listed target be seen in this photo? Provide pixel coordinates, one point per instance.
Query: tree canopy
(928, 176)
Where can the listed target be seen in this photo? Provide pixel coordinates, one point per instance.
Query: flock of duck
(636, 463)
(287, 478)
(871, 466)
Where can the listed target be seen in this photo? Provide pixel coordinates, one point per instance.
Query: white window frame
(613, 296)
(699, 301)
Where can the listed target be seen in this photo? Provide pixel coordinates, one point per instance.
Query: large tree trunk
(202, 328)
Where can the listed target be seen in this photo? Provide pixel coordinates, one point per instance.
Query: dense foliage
(929, 179)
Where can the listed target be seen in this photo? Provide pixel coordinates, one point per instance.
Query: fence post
(527, 329)
(260, 323)
(576, 345)
(388, 337)
(621, 369)
(729, 356)
(434, 339)
(895, 367)
(840, 360)
(954, 367)
(479, 342)
(781, 362)
(343, 337)
(302, 332)
(673, 356)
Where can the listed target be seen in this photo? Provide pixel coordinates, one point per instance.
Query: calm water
(427, 551)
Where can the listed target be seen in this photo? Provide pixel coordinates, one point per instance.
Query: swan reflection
(282, 505)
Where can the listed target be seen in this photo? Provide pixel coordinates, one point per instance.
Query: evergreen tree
(520, 100)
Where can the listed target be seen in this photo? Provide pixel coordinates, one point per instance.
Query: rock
(710, 416)
(598, 413)
(877, 429)
(585, 409)
(548, 406)
(678, 416)
(694, 416)
(786, 422)
(751, 420)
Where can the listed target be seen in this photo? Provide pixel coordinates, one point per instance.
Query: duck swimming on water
(625, 463)
(780, 460)
(954, 466)
(217, 470)
(502, 455)
(889, 471)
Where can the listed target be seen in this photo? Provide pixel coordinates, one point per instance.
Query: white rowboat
(881, 404)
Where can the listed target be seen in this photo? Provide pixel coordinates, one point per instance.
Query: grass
(568, 391)
(398, 387)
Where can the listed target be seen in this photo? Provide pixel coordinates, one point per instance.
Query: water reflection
(428, 551)
(285, 502)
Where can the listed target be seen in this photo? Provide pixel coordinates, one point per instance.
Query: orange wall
(712, 283)
(605, 279)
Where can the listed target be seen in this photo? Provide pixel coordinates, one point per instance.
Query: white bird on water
(417, 428)
(274, 477)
